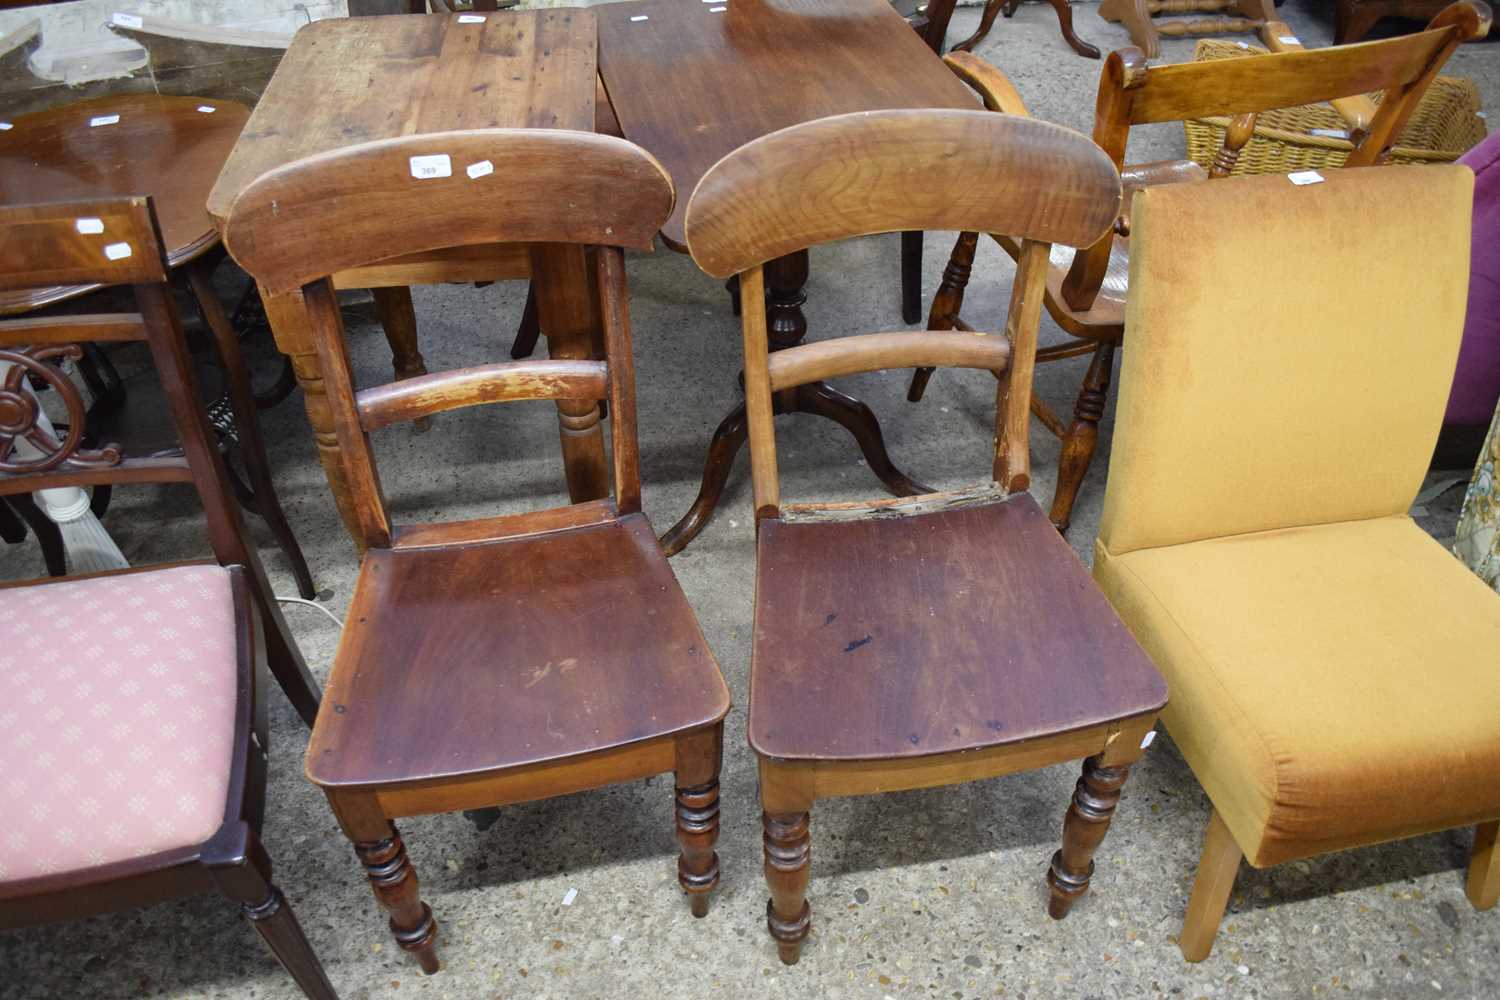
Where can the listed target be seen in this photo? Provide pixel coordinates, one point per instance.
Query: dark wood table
(691, 81)
(350, 80)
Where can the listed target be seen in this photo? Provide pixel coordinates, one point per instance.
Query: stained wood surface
(164, 147)
(691, 85)
(57, 244)
(423, 395)
(882, 171)
(968, 628)
(332, 212)
(876, 351)
(462, 660)
(382, 77)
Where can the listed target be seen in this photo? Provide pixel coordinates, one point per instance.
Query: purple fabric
(1476, 384)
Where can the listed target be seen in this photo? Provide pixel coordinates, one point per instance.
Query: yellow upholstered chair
(1334, 672)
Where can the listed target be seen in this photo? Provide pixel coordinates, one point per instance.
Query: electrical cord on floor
(311, 604)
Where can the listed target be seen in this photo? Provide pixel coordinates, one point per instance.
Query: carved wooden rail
(1209, 26)
(424, 395)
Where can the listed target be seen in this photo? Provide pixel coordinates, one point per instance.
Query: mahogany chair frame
(1132, 94)
(299, 224)
(1041, 182)
(42, 245)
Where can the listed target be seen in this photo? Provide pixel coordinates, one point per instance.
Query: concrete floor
(936, 893)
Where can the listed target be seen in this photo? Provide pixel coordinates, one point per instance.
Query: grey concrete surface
(925, 894)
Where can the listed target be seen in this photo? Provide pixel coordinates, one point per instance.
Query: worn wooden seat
(926, 640)
(576, 641)
(1086, 291)
(503, 659)
(859, 613)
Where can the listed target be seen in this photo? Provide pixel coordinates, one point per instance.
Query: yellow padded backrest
(1288, 351)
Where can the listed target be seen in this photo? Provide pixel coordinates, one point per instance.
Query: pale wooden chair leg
(1484, 866)
(1216, 871)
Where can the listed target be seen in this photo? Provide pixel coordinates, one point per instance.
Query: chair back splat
(887, 171)
(297, 226)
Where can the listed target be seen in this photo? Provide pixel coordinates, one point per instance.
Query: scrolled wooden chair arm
(993, 86)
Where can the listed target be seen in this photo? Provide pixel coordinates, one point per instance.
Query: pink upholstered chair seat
(117, 705)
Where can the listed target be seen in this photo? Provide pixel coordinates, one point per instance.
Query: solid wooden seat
(920, 641)
(933, 633)
(511, 658)
(468, 661)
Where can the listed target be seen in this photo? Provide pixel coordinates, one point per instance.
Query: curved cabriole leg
(788, 850)
(1216, 872)
(1065, 23)
(395, 885)
(1083, 435)
(946, 303)
(722, 449)
(859, 420)
(277, 926)
(1094, 800)
(986, 22)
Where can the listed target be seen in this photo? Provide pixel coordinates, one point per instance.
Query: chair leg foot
(1211, 888)
(697, 832)
(395, 886)
(788, 863)
(1483, 887)
(1087, 821)
(277, 925)
(1079, 442)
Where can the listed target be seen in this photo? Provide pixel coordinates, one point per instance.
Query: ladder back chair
(920, 641)
(132, 703)
(506, 659)
(1086, 290)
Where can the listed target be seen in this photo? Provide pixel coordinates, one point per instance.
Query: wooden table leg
(786, 278)
(562, 281)
(288, 318)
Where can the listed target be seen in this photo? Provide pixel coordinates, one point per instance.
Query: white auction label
(90, 225)
(1289, 39)
(127, 20)
(715, 10)
(6, 126)
(641, 17)
(1146, 740)
(481, 169)
(1329, 133)
(425, 168)
(1305, 177)
(95, 122)
(207, 109)
(471, 19)
(117, 251)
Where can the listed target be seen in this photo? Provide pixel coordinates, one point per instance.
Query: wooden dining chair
(1086, 290)
(501, 660)
(1233, 17)
(920, 641)
(132, 703)
(1333, 667)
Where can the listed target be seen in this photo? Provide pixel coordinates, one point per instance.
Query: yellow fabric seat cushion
(1330, 686)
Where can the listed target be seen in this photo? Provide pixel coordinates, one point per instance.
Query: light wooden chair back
(295, 227)
(107, 242)
(887, 171)
(1399, 69)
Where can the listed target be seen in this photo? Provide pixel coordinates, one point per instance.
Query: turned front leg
(788, 849)
(1094, 800)
(287, 316)
(395, 886)
(698, 759)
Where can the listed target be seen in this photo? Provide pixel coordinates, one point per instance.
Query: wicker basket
(1445, 125)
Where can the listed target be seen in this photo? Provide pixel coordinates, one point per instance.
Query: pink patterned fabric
(117, 700)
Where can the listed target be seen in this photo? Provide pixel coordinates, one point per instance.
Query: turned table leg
(561, 279)
(287, 315)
